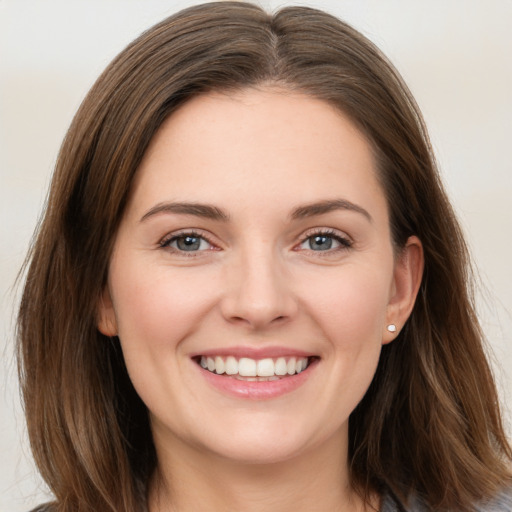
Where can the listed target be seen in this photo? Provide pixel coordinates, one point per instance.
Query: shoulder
(501, 503)
(392, 504)
(47, 507)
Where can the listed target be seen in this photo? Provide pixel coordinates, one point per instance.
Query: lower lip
(253, 390)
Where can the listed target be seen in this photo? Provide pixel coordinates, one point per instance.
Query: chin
(273, 441)
(262, 451)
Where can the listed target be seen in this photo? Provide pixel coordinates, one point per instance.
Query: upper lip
(254, 352)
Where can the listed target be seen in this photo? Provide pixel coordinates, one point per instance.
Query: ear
(107, 323)
(407, 277)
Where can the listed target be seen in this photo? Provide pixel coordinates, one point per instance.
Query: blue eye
(325, 242)
(187, 242)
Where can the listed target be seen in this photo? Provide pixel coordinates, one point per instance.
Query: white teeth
(252, 369)
(265, 368)
(219, 365)
(300, 365)
(280, 368)
(247, 367)
(291, 366)
(231, 366)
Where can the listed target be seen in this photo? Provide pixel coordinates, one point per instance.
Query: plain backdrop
(454, 54)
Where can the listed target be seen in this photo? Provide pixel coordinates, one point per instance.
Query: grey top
(502, 503)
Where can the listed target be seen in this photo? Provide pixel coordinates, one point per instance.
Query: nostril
(239, 319)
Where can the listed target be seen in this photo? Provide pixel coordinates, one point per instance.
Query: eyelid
(170, 237)
(341, 237)
(325, 231)
(345, 240)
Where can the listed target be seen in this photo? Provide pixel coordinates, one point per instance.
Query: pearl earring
(392, 328)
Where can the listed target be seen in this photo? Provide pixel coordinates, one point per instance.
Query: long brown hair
(430, 423)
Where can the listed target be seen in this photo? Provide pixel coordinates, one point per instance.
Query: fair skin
(256, 230)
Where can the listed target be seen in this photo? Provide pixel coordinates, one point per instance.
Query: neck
(190, 479)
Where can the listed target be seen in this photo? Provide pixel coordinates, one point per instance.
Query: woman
(249, 290)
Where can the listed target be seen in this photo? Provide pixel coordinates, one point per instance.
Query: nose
(258, 292)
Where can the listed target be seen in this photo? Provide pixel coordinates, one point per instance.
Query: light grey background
(456, 56)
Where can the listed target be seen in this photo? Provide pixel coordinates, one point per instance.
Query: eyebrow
(206, 211)
(211, 212)
(322, 207)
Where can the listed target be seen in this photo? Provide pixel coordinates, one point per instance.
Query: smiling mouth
(255, 370)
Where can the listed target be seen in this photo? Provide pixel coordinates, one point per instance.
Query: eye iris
(188, 243)
(320, 242)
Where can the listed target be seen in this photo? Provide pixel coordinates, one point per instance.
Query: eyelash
(166, 242)
(344, 242)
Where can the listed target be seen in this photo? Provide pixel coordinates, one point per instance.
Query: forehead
(260, 144)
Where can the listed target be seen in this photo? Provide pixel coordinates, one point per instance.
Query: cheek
(156, 309)
(158, 306)
(350, 311)
(350, 306)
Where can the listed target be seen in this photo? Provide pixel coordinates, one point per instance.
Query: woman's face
(256, 243)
